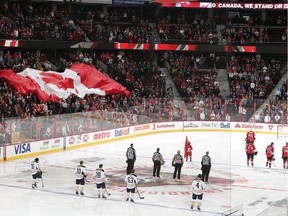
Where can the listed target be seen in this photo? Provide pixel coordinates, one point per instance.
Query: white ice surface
(231, 182)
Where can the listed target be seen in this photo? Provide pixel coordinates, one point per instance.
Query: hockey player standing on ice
(132, 181)
(188, 151)
(177, 162)
(100, 178)
(250, 152)
(36, 172)
(131, 158)
(198, 186)
(270, 154)
(158, 161)
(285, 156)
(206, 164)
(250, 137)
(80, 172)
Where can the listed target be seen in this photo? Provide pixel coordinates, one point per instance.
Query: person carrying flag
(188, 151)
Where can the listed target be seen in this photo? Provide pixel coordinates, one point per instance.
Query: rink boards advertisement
(80, 140)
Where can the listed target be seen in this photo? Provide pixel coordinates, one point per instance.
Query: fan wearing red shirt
(250, 136)
(250, 152)
(270, 154)
(285, 155)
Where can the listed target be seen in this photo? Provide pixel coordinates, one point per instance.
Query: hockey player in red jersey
(285, 156)
(250, 136)
(250, 152)
(270, 154)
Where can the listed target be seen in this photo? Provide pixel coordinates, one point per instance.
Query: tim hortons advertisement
(78, 139)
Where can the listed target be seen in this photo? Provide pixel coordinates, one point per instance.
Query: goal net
(282, 131)
(235, 211)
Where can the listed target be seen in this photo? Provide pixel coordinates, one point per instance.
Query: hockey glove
(255, 153)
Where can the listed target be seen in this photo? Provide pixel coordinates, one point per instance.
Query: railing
(47, 127)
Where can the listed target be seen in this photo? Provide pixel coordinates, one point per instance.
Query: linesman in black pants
(158, 161)
(177, 162)
(131, 158)
(206, 166)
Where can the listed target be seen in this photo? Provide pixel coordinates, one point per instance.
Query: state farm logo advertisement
(190, 125)
(122, 132)
(248, 126)
(101, 135)
(163, 126)
(142, 128)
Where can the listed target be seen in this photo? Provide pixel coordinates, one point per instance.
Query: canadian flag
(80, 79)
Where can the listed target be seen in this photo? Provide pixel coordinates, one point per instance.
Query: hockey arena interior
(83, 82)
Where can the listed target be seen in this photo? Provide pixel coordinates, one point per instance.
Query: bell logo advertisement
(224, 125)
(22, 148)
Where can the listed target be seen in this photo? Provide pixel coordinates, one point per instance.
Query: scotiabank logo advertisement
(163, 125)
(248, 126)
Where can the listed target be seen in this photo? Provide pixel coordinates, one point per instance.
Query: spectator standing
(198, 186)
(177, 162)
(131, 158)
(285, 155)
(270, 154)
(158, 161)
(206, 163)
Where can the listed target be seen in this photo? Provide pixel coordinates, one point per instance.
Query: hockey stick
(139, 193)
(42, 181)
(107, 192)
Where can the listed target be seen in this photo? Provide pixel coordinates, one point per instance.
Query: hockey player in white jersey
(198, 186)
(80, 172)
(36, 172)
(100, 178)
(132, 181)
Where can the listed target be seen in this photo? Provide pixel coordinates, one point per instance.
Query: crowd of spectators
(200, 29)
(90, 23)
(194, 74)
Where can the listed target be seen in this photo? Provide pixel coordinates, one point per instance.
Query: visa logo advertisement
(22, 148)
